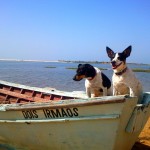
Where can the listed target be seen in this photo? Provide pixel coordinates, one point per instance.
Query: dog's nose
(74, 78)
(113, 63)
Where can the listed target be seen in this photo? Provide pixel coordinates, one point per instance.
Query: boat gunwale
(56, 104)
(65, 103)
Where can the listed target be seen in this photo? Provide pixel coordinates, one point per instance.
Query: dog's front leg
(115, 91)
(132, 92)
(104, 91)
(88, 93)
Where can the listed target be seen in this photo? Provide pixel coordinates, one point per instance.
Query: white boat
(41, 119)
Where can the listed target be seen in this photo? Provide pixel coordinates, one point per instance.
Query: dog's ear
(79, 65)
(127, 51)
(110, 52)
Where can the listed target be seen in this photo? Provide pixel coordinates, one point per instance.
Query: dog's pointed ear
(79, 65)
(110, 52)
(127, 51)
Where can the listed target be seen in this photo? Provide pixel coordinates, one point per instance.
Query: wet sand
(143, 142)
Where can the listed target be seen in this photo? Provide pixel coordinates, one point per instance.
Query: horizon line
(63, 61)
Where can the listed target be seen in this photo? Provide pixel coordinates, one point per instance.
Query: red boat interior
(9, 95)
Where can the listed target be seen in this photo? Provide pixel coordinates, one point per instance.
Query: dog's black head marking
(121, 56)
(84, 71)
(110, 53)
(127, 51)
(118, 58)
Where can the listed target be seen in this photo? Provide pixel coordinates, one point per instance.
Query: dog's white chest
(127, 78)
(95, 83)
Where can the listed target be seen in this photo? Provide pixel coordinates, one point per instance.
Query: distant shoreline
(96, 62)
(21, 60)
(66, 61)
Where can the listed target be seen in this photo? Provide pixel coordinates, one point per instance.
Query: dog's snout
(75, 78)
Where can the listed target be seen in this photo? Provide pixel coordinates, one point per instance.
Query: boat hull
(105, 123)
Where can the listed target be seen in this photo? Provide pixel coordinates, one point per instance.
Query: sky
(74, 29)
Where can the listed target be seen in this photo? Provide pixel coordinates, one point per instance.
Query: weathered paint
(99, 123)
(138, 118)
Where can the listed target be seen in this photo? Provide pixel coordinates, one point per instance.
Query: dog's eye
(79, 72)
(112, 58)
(120, 58)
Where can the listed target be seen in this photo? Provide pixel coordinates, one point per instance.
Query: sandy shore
(143, 142)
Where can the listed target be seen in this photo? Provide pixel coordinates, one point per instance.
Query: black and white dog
(124, 80)
(96, 83)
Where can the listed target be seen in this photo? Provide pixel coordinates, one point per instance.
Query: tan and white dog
(124, 80)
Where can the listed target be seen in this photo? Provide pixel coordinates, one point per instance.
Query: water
(36, 74)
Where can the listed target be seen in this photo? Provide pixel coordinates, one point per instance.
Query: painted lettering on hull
(51, 113)
(30, 114)
(60, 113)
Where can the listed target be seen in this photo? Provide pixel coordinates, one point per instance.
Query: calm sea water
(37, 74)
